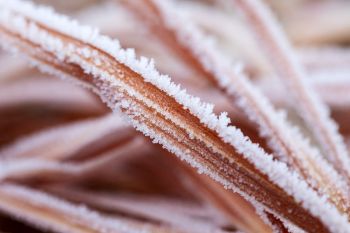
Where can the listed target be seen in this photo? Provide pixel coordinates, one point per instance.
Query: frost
(306, 101)
(277, 171)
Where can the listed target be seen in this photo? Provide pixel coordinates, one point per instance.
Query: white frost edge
(300, 82)
(215, 63)
(276, 171)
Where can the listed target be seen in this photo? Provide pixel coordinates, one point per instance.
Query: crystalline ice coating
(306, 101)
(212, 62)
(276, 171)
